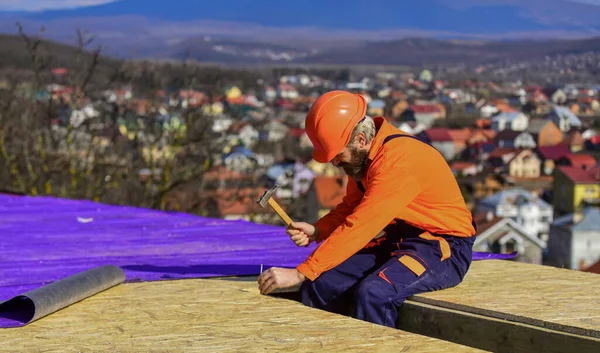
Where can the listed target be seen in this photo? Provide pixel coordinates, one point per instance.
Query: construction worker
(402, 228)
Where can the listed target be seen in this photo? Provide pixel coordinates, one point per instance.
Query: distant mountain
(242, 31)
(409, 52)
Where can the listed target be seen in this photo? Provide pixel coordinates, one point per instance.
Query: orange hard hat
(330, 121)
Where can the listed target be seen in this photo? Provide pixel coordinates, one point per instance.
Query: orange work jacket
(407, 180)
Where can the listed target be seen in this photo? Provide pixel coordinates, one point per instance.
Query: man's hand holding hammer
(302, 233)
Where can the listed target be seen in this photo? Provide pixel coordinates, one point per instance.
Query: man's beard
(357, 167)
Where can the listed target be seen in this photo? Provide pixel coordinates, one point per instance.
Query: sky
(38, 5)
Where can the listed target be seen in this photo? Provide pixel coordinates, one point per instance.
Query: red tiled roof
(462, 165)
(425, 108)
(483, 222)
(581, 160)
(460, 135)
(438, 134)
(595, 268)
(297, 132)
(499, 152)
(554, 152)
(581, 176)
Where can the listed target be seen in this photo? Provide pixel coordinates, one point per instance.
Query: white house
(79, 116)
(249, 135)
(522, 206)
(488, 110)
(525, 140)
(412, 127)
(222, 123)
(275, 131)
(287, 91)
(294, 179)
(563, 118)
(573, 241)
(504, 235)
(515, 121)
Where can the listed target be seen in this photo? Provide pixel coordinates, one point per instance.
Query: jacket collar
(384, 129)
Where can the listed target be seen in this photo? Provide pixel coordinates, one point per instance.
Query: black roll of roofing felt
(43, 301)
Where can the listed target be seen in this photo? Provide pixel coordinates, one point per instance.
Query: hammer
(267, 198)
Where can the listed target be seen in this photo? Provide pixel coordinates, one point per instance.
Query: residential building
(522, 206)
(515, 121)
(459, 138)
(426, 114)
(563, 118)
(514, 139)
(581, 160)
(550, 155)
(545, 132)
(575, 187)
(483, 184)
(440, 139)
(411, 127)
(574, 140)
(573, 241)
(504, 236)
(525, 164)
(461, 169)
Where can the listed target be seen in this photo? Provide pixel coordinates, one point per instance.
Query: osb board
(558, 299)
(206, 316)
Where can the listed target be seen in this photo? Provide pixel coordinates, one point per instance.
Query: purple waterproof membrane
(45, 239)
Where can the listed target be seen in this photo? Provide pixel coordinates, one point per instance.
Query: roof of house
(565, 113)
(513, 196)
(460, 135)
(439, 134)
(595, 268)
(459, 165)
(240, 201)
(509, 116)
(485, 220)
(589, 223)
(426, 108)
(377, 103)
(500, 152)
(581, 160)
(504, 226)
(330, 190)
(554, 152)
(505, 135)
(536, 125)
(579, 175)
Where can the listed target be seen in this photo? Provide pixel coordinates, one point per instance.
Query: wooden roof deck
(206, 315)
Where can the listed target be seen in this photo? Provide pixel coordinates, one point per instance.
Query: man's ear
(361, 139)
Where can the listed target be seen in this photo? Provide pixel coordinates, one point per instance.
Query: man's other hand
(277, 278)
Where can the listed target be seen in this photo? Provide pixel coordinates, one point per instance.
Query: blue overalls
(374, 282)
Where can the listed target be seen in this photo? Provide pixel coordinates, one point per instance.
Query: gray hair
(367, 127)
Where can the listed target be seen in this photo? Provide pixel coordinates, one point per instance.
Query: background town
(206, 132)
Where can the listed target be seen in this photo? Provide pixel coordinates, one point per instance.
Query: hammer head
(264, 199)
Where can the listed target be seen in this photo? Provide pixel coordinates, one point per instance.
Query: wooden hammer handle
(280, 212)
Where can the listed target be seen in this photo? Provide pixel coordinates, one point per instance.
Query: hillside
(419, 51)
(13, 53)
(407, 52)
